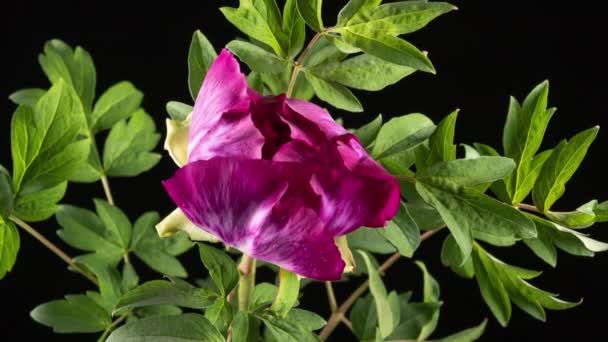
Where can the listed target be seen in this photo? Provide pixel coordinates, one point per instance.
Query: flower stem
(298, 64)
(52, 247)
(106, 188)
(337, 316)
(529, 207)
(246, 281)
(331, 296)
(111, 327)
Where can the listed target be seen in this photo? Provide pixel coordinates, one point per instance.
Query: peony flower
(276, 178)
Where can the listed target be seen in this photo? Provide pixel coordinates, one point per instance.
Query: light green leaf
(530, 176)
(178, 111)
(249, 20)
(308, 319)
(467, 335)
(263, 294)
(601, 212)
(369, 239)
(334, 94)
(560, 167)
(27, 97)
(402, 232)
(367, 133)
(415, 317)
(470, 172)
(256, 58)
(389, 48)
(287, 296)
(162, 292)
(110, 284)
(7, 194)
(324, 51)
(285, 330)
(84, 230)
(46, 147)
(583, 217)
(39, 206)
(356, 11)
(183, 328)
(127, 151)
(364, 318)
(116, 222)
(363, 72)
(311, 12)
(465, 211)
(430, 296)
(378, 291)
(441, 142)
(9, 246)
(240, 327)
(74, 314)
(115, 104)
(451, 257)
(130, 279)
(501, 283)
(161, 261)
(220, 266)
(220, 314)
(294, 28)
(200, 57)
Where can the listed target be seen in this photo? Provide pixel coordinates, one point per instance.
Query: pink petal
(310, 122)
(263, 208)
(221, 120)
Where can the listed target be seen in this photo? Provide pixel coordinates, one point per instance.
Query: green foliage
(221, 267)
(7, 194)
(367, 133)
(335, 94)
(185, 327)
(256, 58)
(200, 57)
(441, 142)
(115, 104)
(287, 295)
(75, 313)
(311, 12)
(402, 232)
(27, 97)
(470, 334)
(9, 246)
(386, 324)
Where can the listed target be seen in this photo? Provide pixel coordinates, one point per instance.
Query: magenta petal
(302, 115)
(261, 208)
(221, 120)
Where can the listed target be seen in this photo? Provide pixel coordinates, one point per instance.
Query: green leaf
(451, 257)
(530, 177)
(441, 141)
(285, 330)
(9, 246)
(363, 72)
(294, 28)
(39, 206)
(354, 10)
(263, 294)
(130, 279)
(116, 222)
(287, 296)
(308, 319)
(183, 328)
(400, 17)
(27, 97)
(7, 193)
(601, 212)
(127, 151)
(364, 318)
(220, 266)
(154, 310)
(259, 26)
(367, 133)
(110, 284)
(370, 239)
(46, 147)
(560, 167)
(470, 172)
(467, 211)
(115, 104)
(467, 335)
(403, 232)
(430, 296)
(161, 261)
(74, 314)
(378, 291)
(311, 12)
(501, 283)
(178, 111)
(416, 317)
(220, 314)
(75, 67)
(256, 58)
(162, 292)
(334, 94)
(395, 133)
(583, 217)
(200, 57)
(84, 230)
(388, 48)
(241, 324)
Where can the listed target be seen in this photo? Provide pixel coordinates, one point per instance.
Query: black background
(483, 53)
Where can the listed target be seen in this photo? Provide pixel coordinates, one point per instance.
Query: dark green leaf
(200, 57)
(451, 256)
(441, 142)
(369, 239)
(183, 328)
(263, 294)
(311, 12)
(240, 327)
(39, 206)
(7, 194)
(415, 317)
(74, 314)
(364, 318)
(363, 72)
(162, 292)
(220, 314)
(402, 232)
(108, 278)
(127, 151)
(430, 296)
(221, 268)
(367, 133)
(335, 94)
(130, 279)
(256, 58)
(283, 330)
(27, 97)
(9, 246)
(161, 261)
(560, 167)
(378, 291)
(470, 172)
(294, 28)
(116, 222)
(115, 104)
